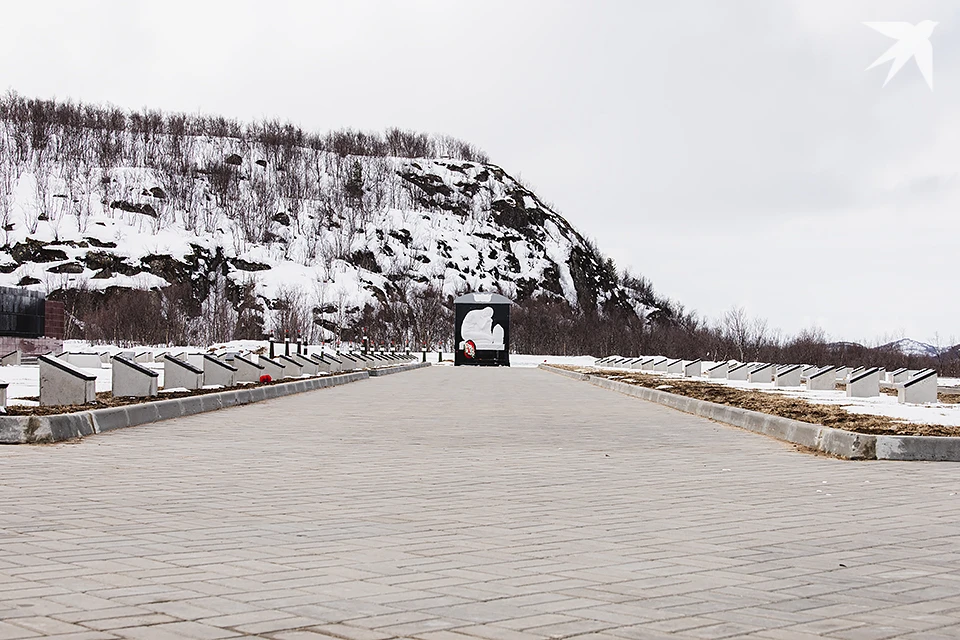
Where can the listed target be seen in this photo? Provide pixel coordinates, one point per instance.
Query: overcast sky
(735, 153)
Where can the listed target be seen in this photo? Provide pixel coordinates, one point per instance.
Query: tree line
(57, 127)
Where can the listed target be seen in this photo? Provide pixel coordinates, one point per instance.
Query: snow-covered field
(884, 405)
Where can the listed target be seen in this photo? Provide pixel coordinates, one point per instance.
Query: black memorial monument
(482, 330)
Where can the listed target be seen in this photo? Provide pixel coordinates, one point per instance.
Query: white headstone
(920, 389)
(336, 366)
(131, 379)
(180, 374)
(739, 371)
(865, 384)
(290, 366)
(11, 359)
(61, 383)
(719, 370)
(323, 366)
(898, 375)
(762, 373)
(216, 371)
(309, 367)
(83, 360)
(356, 362)
(272, 368)
(693, 369)
(247, 370)
(788, 376)
(823, 380)
(675, 366)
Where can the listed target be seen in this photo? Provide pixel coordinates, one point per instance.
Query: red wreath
(470, 349)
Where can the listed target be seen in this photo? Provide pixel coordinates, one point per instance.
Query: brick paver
(448, 504)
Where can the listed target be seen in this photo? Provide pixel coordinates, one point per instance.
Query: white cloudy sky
(736, 153)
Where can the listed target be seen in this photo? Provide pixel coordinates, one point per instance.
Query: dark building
(22, 313)
(29, 322)
(482, 330)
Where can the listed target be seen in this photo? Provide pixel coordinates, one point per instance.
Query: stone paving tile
(532, 506)
(47, 626)
(108, 619)
(14, 632)
(83, 635)
(196, 630)
(348, 632)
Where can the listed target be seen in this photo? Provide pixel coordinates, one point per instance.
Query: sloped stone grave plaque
(920, 389)
(719, 370)
(762, 373)
(83, 360)
(788, 376)
(823, 380)
(290, 366)
(247, 370)
(132, 379)
(216, 371)
(61, 383)
(865, 384)
(180, 374)
(693, 369)
(273, 368)
(739, 372)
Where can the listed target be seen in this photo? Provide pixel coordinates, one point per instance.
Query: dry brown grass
(779, 405)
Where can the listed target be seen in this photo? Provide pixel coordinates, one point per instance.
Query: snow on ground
(884, 405)
(520, 360)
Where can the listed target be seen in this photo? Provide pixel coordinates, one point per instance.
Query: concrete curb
(66, 426)
(386, 371)
(836, 442)
(930, 448)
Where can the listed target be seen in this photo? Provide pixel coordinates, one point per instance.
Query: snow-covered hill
(97, 202)
(910, 347)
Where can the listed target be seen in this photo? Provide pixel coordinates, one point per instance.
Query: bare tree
(736, 329)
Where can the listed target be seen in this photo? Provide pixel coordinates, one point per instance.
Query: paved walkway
(448, 504)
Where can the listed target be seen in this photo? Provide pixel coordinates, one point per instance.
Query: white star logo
(912, 42)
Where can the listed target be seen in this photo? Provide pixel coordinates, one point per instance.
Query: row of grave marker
(913, 386)
(63, 380)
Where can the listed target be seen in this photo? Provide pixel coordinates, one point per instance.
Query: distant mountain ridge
(910, 347)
